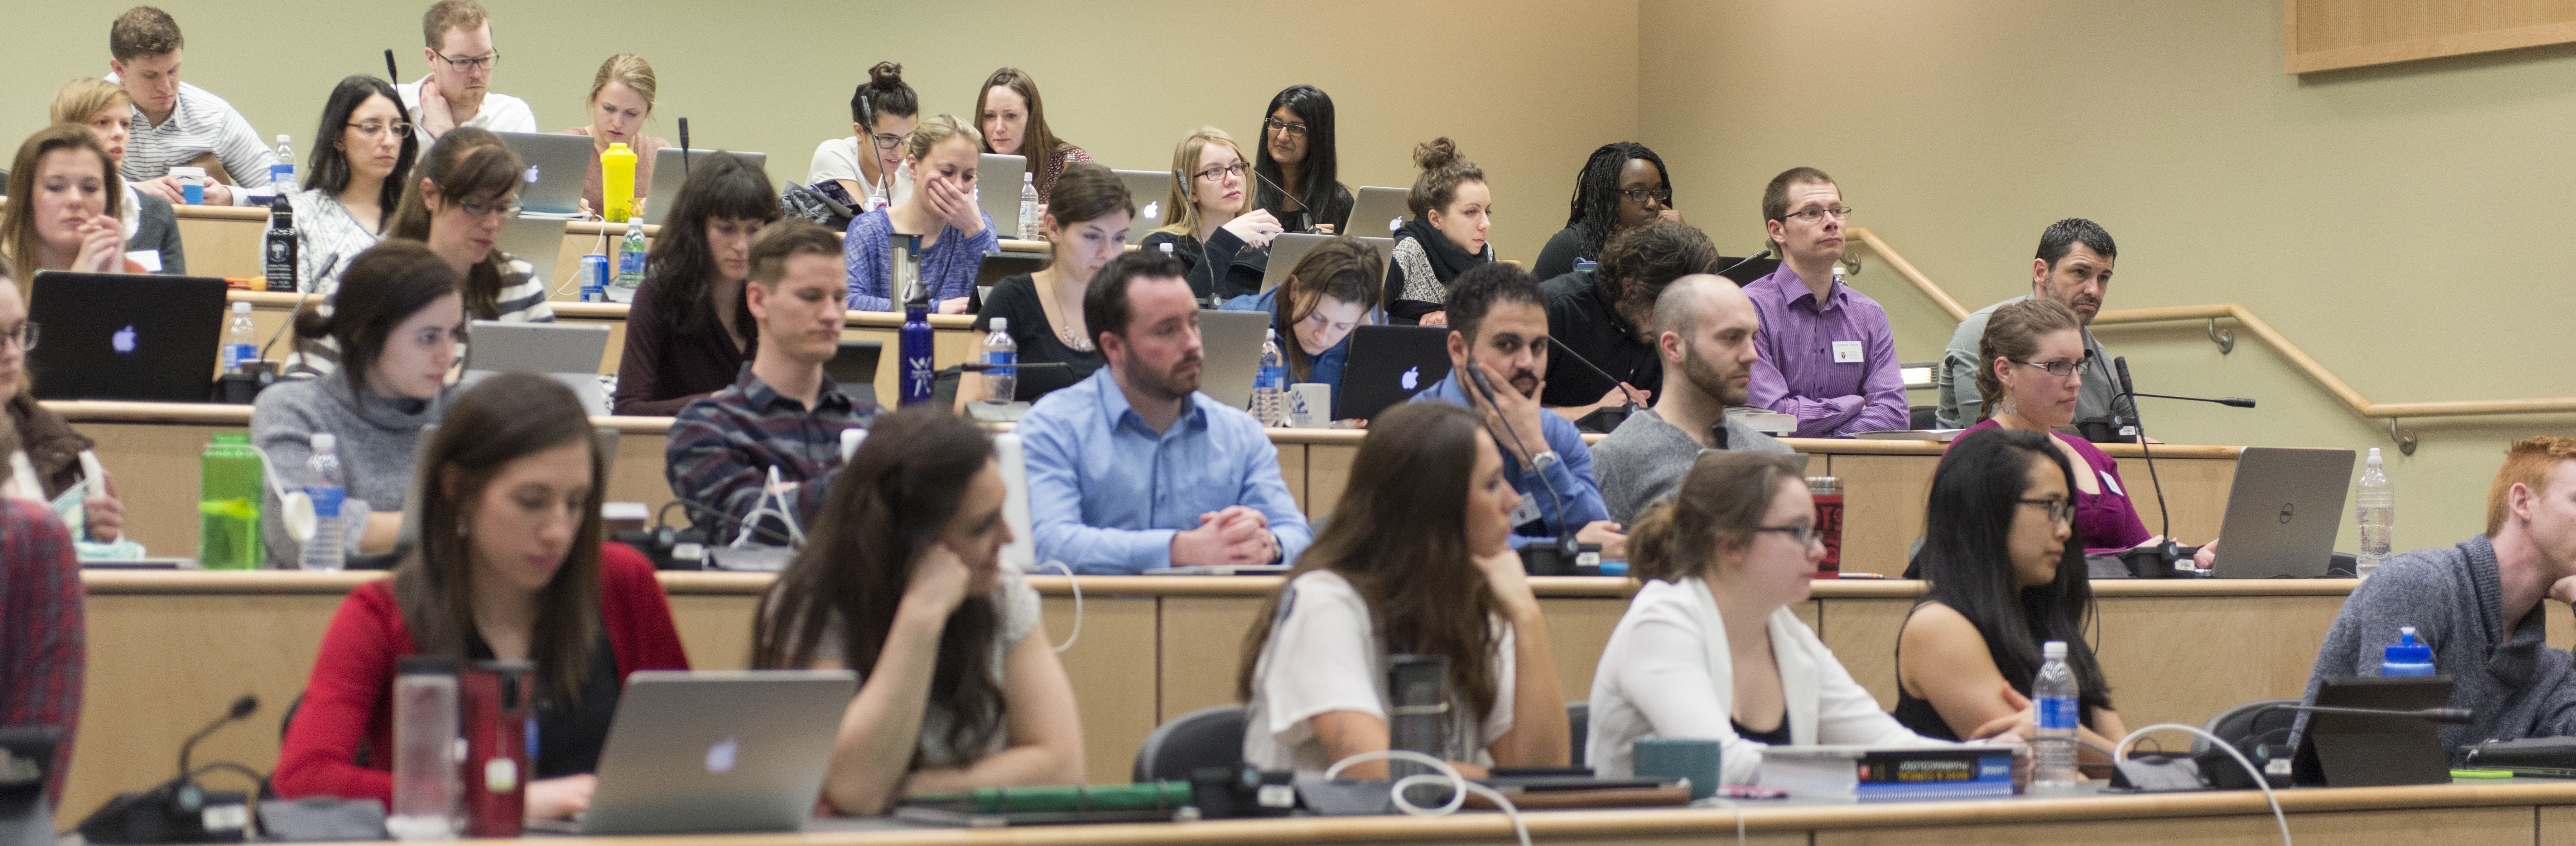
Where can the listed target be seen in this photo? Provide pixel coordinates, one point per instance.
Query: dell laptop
(997, 191)
(115, 336)
(558, 165)
(685, 755)
(669, 174)
(1230, 341)
(1377, 212)
(2282, 513)
(1151, 192)
(565, 352)
(1388, 365)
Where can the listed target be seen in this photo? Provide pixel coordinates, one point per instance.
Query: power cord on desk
(2241, 760)
(1076, 584)
(1443, 773)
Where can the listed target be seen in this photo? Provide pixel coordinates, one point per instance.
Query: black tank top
(1917, 714)
(1776, 737)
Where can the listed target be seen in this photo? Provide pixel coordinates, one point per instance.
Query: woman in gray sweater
(399, 318)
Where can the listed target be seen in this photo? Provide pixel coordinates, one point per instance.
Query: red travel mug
(1828, 492)
(496, 698)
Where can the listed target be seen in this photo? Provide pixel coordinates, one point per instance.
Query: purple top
(1798, 375)
(2106, 522)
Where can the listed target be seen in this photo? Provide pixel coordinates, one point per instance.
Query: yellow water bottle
(617, 183)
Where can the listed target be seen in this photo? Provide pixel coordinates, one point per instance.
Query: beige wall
(1123, 79)
(2406, 225)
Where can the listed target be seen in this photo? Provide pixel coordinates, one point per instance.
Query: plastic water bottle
(427, 780)
(2056, 704)
(229, 490)
(322, 551)
(2375, 505)
(281, 176)
(241, 341)
(1270, 384)
(2406, 657)
(1000, 350)
(1028, 207)
(630, 263)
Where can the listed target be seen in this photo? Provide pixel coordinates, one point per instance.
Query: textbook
(1864, 774)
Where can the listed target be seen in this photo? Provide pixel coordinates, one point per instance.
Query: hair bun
(1435, 154)
(312, 323)
(886, 76)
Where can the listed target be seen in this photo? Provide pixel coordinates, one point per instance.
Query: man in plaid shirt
(42, 642)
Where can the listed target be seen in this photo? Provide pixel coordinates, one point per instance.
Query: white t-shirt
(499, 113)
(1324, 656)
(838, 158)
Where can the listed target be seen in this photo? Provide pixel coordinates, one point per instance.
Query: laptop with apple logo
(1388, 365)
(715, 752)
(116, 336)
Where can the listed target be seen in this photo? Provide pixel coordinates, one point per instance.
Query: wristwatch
(1542, 460)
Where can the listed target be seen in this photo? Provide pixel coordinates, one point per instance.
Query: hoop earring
(2008, 406)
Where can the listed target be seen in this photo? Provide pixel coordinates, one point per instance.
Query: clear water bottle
(241, 340)
(1270, 384)
(322, 551)
(1000, 350)
(630, 263)
(1028, 207)
(2056, 706)
(427, 782)
(2375, 504)
(281, 175)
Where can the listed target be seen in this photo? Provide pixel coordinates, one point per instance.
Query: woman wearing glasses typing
(352, 183)
(1225, 247)
(1298, 168)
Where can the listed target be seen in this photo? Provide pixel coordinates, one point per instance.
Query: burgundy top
(661, 372)
(2106, 522)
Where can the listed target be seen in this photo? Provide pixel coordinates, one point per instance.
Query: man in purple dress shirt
(1828, 357)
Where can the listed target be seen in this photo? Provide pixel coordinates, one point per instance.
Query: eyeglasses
(887, 142)
(1277, 125)
(1663, 196)
(478, 208)
(472, 64)
(1804, 534)
(2060, 510)
(373, 129)
(25, 335)
(1818, 215)
(1237, 168)
(2059, 369)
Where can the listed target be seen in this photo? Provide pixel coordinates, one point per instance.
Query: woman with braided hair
(1623, 185)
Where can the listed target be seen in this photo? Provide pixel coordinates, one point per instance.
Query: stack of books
(1863, 774)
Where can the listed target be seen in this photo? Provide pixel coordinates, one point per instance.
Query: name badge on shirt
(2109, 486)
(1846, 352)
(1527, 512)
(150, 260)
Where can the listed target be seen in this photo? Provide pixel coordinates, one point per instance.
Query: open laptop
(565, 352)
(685, 756)
(2282, 512)
(26, 761)
(854, 369)
(997, 190)
(537, 240)
(1388, 365)
(1151, 191)
(1231, 343)
(1376, 212)
(1285, 251)
(113, 336)
(557, 167)
(669, 174)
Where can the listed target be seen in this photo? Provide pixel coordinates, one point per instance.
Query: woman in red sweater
(510, 564)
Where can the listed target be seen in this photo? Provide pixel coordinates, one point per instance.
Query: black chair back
(1208, 737)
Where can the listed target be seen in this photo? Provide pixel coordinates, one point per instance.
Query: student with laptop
(176, 123)
(1011, 121)
(955, 234)
(687, 333)
(2007, 575)
(782, 417)
(869, 163)
(353, 183)
(399, 319)
(1298, 168)
(65, 200)
(1623, 186)
(523, 575)
(1085, 228)
(1451, 208)
(1828, 355)
(1415, 561)
(458, 90)
(904, 583)
(1133, 468)
(621, 99)
(151, 227)
(53, 448)
(1704, 333)
(1606, 316)
(1330, 293)
(2477, 603)
(1223, 245)
(1497, 322)
(43, 630)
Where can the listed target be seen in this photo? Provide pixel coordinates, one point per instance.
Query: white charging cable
(1076, 584)
(771, 491)
(1459, 787)
(2122, 748)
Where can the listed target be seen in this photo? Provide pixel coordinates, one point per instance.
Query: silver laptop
(1230, 342)
(1376, 212)
(1151, 191)
(557, 167)
(997, 190)
(565, 352)
(1286, 251)
(685, 755)
(669, 174)
(539, 240)
(2282, 512)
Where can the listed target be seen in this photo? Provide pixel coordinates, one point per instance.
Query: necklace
(1065, 333)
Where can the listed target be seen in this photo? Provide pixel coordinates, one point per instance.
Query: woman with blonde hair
(941, 155)
(621, 99)
(64, 203)
(1013, 122)
(1215, 230)
(108, 110)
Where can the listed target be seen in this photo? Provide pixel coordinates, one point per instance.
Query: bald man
(1704, 329)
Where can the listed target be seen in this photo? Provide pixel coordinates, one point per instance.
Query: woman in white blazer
(1709, 648)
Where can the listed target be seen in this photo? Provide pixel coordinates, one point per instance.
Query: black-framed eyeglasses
(2060, 510)
(886, 142)
(1662, 196)
(1219, 172)
(25, 335)
(1805, 534)
(2059, 369)
(476, 63)
(1277, 125)
(1818, 215)
(372, 129)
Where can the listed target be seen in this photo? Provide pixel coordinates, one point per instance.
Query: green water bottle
(228, 503)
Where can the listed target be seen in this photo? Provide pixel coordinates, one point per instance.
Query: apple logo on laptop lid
(123, 340)
(720, 756)
(1412, 378)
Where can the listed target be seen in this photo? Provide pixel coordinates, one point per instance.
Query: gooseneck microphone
(684, 148)
(2453, 716)
(2167, 555)
(391, 74)
(1766, 251)
(2231, 402)
(242, 707)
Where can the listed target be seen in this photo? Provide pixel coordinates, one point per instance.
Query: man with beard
(1133, 469)
(2074, 268)
(1704, 328)
(1498, 326)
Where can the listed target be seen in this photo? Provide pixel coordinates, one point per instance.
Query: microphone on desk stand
(392, 74)
(1766, 251)
(178, 810)
(1627, 404)
(1562, 554)
(2165, 559)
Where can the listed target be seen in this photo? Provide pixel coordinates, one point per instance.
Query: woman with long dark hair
(1297, 157)
(688, 333)
(353, 183)
(510, 565)
(1416, 560)
(902, 581)
(1085, 228)
(2007, 574)
(1623, 186)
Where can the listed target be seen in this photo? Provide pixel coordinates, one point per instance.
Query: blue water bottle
(920, 374)
(2406, 657)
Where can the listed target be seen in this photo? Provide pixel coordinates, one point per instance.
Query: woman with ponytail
(1709, 648)
(399, 318)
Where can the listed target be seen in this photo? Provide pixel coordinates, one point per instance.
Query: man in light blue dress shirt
(1133, 469)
